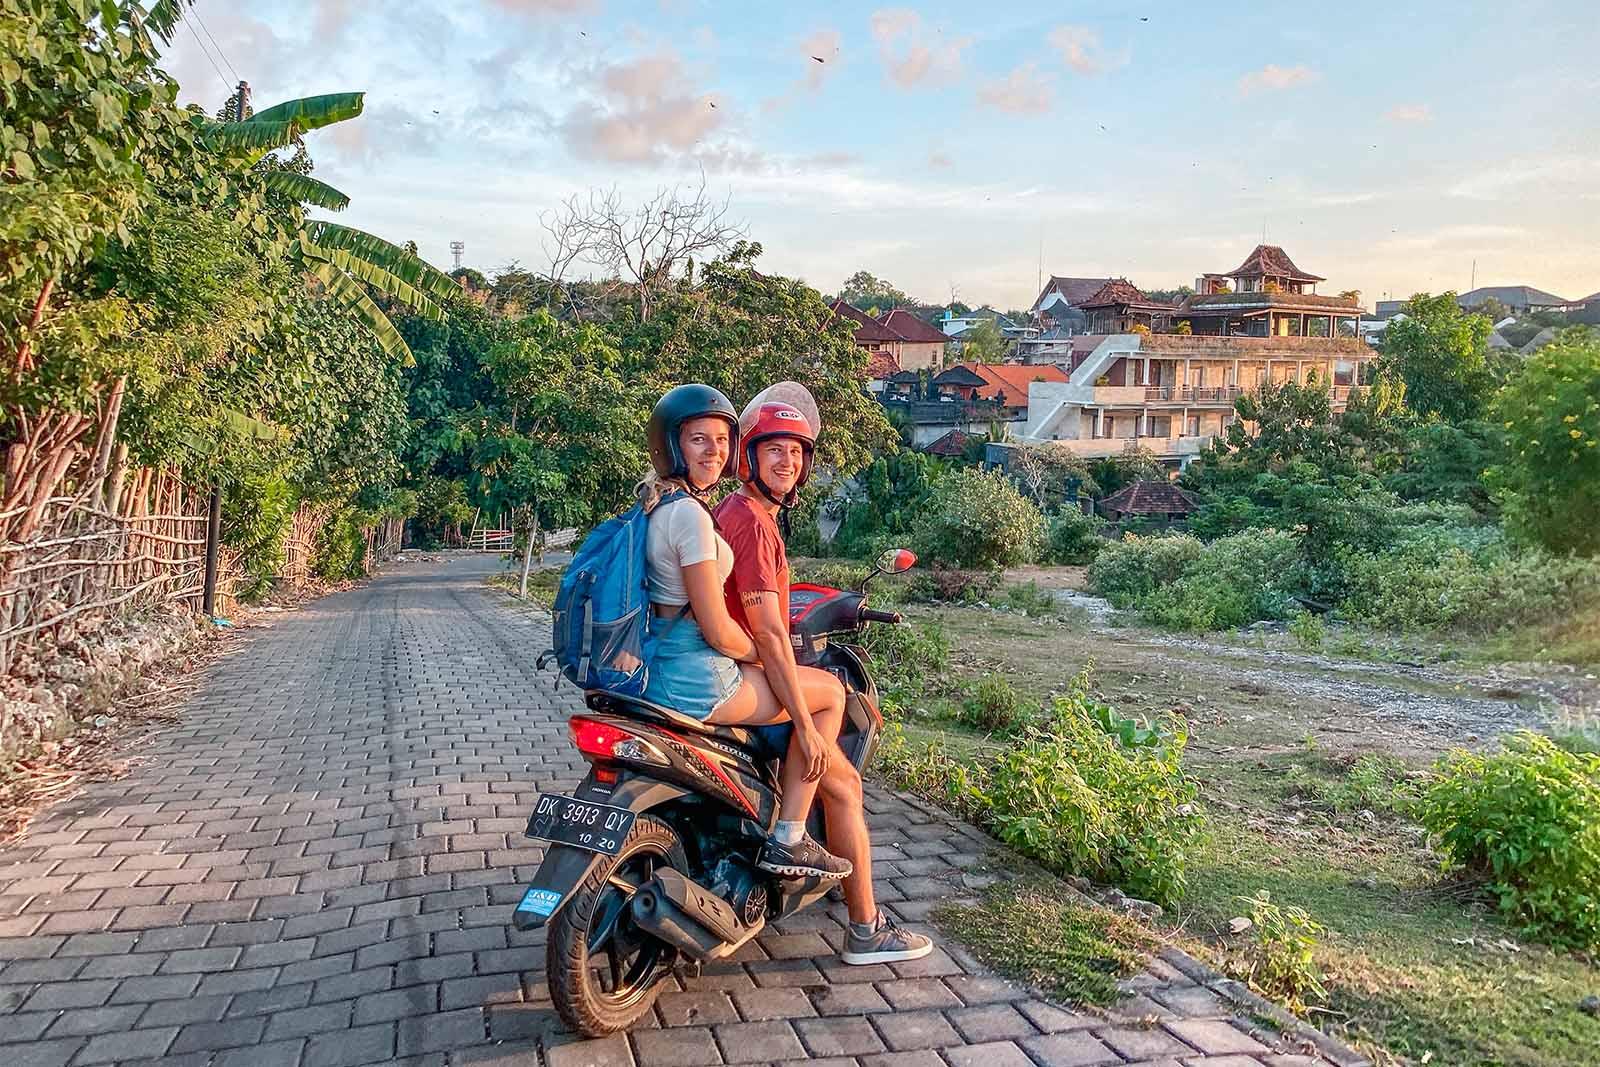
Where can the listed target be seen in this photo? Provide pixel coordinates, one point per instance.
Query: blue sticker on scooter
(540, 902)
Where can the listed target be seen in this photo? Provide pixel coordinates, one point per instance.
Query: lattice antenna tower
(456, 248)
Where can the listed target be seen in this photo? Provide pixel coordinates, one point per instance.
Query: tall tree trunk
(527, 552)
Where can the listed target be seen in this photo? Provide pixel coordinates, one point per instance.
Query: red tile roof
(953, 443)
(1149, 498)
(880, 365)
(1118, 292)
(912, 328)
(867, 327)
(1073, 290)
(1012, 379)
(1274, 262)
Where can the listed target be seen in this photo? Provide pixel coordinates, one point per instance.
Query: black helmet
(677, 407)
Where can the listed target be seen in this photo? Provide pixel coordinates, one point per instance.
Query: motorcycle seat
(638, 708)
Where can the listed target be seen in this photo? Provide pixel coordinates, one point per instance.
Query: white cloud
(912, 55)
(1273, 77)
(1496, 182)
(645, 111)
(543, 7)
(1022, 92)
(1080, 49)
(1410, 113)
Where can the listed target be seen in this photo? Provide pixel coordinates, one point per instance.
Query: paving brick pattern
(317, 867)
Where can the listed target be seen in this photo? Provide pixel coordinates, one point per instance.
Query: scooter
(651, 862)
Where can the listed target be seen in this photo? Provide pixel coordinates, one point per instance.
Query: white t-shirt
(681, 533)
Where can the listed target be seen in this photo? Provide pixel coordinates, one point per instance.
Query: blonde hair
(653, 487)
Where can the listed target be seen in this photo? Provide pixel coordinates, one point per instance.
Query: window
(1344, 372)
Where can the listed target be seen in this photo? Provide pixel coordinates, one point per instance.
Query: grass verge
(1042, 934)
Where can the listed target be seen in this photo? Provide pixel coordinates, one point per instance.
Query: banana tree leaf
(250, 426)
(380, 253)
(163, 18)
(377, 277)
(306, 189)
(344, 288)
(313, 112)
(252, 136)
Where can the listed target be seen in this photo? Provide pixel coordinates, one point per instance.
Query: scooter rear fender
(565, 867)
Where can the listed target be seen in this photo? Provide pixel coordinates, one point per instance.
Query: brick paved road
(317, 867)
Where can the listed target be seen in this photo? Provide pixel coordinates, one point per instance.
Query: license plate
(582, 823)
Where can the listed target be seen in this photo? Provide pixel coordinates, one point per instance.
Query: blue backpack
(601, 634)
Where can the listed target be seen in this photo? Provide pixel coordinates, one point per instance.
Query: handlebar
(874, 615)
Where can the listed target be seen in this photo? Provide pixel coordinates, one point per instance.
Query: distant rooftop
(1516, 296)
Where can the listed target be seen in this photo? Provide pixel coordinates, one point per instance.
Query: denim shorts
(687, 674)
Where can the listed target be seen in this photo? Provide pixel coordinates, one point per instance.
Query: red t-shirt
(759, 560)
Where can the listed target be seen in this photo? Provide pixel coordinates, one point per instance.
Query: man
(776, 445)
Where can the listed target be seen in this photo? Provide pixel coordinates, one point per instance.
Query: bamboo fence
(136, 540)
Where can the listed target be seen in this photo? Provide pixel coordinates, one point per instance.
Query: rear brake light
(601, 740)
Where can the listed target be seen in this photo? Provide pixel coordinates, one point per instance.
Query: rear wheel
(604, 972)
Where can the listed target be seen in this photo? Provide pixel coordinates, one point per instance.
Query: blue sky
(943, 145)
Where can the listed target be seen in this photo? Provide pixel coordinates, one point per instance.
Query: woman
(705, 664)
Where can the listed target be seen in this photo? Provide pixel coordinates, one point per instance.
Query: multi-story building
(898, 341)
(1170, 385)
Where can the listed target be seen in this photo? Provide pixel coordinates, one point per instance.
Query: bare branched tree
(646, 247)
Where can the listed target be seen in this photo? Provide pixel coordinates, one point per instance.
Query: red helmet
(771, 420)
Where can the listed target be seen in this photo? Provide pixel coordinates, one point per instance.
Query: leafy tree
(1441, 354)
(868, 292)
(1051, 472)
(983, 343)
(1135, 463)
(884, 502)
(1549, 480)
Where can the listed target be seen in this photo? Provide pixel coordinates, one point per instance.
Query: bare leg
(756, 705)
(842, 803)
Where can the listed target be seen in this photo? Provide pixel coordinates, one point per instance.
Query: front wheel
(604, 972)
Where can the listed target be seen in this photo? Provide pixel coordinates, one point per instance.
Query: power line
(220, 52)
(223, 78)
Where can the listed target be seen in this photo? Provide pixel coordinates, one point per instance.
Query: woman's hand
(814, 748)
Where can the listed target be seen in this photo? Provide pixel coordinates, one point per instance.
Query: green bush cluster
(1179, 583)
(995, 706)
(942, 585)
(1073, 795)
(905, 658)
(976, 519)
(1073, 536)
(1458, 578)
(1524, 819)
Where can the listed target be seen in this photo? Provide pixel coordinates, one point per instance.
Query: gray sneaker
(887, 944)
(803, 859)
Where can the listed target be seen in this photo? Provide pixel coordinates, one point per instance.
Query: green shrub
(1454, 578)
(978, 519)
(906, 659)
(1071, 793)
(944, 586)
(1524, 818)
(340, 546)
(1234, 581)
(1373, 783)
(1127, 571)
(1279, 960)
(994, 706)
(257, 514)
(1074, 536)
(1308, 630)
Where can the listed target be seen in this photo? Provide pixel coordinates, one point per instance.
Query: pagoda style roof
(1270, 261)
(1119, 292)
(952, 444)
(960, 374)
(1149, 498)
(1073, 290)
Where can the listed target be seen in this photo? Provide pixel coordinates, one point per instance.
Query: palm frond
(313, 112)
(380, 253)
(343, 288)
(250, 136)
(306, 189)
(163, 18)
(376, 277)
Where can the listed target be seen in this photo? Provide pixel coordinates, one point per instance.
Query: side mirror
(897, 561)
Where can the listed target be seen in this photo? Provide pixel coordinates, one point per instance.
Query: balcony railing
(1213, 394)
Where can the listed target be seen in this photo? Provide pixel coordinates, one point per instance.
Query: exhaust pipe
(690, 917)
